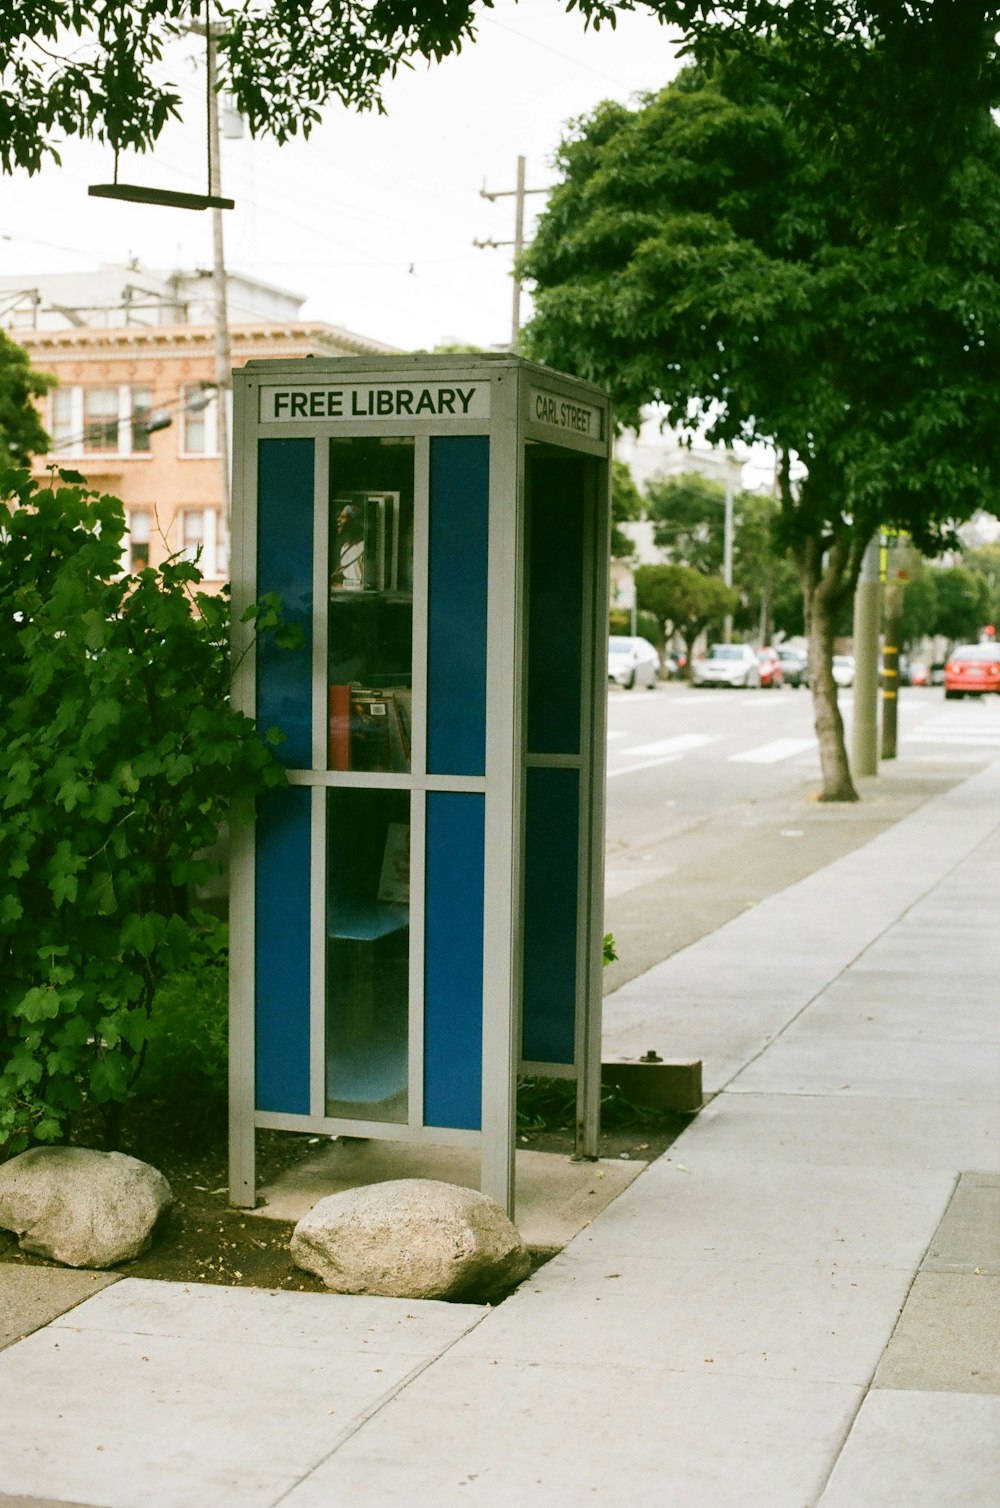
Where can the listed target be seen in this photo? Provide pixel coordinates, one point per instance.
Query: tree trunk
(837, 782)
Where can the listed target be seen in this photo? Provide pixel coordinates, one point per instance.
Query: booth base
(556, 1196)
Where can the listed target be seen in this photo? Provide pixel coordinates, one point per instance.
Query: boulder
(412, 1238)
(80, 1207)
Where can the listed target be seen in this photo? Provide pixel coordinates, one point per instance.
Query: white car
(632, 662)
(843, 670)
(726, 665)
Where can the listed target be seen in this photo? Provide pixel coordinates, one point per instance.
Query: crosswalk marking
(646, 764)
(781, 748)
(679, 744)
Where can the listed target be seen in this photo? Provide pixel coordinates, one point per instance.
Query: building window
(64, 422)
(140, 523)
(204, 540)
(100, 420)
(141, 411)
(199, 429)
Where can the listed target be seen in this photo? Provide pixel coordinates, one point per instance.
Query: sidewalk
(797, 1307)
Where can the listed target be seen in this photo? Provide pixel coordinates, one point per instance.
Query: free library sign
(292, 404)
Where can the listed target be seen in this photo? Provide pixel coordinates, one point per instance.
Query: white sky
(374, 217)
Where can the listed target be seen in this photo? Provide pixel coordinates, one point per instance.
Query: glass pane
(142, 412)
(62, 418)
(100, 409)
(367, 954)
(371, 604)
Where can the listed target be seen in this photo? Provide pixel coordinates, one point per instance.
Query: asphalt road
(712, 801)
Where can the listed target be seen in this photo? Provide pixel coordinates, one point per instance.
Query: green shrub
(119, 757)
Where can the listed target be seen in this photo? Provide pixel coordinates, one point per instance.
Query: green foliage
(609, 949)
(21, 432)
(985, 561)
(683, 600)
(119, 758)
(920, 607)
(688, 515)
(708, 252)
(626, 504)
(963, 603)
(545, 1104)
(646, 625)
(97, 69)
(188, 1043)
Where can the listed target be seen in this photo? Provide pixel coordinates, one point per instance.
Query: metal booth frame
(517, 405)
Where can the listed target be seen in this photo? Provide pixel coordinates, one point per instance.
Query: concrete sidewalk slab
(948, 1336)
(31, 1297)
(170, 1394)
(803, 1062)
(924, 1450)
(825, 1131)
(537, 1434)
(968, 1238)
(556, 1196)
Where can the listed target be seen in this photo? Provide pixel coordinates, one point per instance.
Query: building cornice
(187, 340)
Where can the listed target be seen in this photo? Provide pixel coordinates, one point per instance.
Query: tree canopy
(21, 432)
(704, 253)
(905, 78)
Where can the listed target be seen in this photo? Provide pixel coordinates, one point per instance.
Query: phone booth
(417, 918)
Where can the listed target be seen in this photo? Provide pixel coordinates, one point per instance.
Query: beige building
(136, 408)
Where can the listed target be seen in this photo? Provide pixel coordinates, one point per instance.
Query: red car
(972, 670)
(771, 670)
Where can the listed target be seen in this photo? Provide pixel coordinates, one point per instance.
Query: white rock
(411, 1238)
(80, 1207)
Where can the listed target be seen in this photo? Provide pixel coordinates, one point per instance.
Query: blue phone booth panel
(453, 960)
(281, 948)
(285, 471)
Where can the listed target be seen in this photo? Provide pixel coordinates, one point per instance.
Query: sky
(373, 218)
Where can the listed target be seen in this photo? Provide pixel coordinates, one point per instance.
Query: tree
(687, 513)
(683, 601)
(21, 432)
(985, 561)
(919, 617)
(119, 758)
(963, 603)
(626, 506)
(704, 253)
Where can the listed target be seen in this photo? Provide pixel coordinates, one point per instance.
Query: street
(711, 801)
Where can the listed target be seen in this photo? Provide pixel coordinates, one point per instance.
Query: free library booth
(417, 918)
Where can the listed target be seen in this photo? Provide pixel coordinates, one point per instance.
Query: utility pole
(518, 195)
(727, 545)
(867, 611)
(894, 579)
(223, 354)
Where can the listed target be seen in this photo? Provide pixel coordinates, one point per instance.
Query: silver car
(726, 665)
(632, 662)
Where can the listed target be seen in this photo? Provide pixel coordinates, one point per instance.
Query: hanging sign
(565, 414)
(294, 403)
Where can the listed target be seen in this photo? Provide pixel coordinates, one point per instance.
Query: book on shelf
(369, 729)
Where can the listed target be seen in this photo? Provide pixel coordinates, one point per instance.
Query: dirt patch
(203, 1240)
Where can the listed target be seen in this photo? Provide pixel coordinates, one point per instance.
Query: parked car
(726, 665)
(794, 665)
(632, 662)
(772, 672)
(843, 670)
(972, 670)
(920, 674)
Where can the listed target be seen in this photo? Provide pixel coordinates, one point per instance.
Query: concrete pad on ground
(800, 1063)
(153, 1395)
(543, 1435)
(555, 1196)
(827, 1131)
(701, 1314)
(731, 1205)
(948, 1336)
(861, 1005)
(923, 1450)
(32, 1296)
(968, 1238)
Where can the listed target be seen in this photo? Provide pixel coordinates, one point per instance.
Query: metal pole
(515, 323)
(223, 355)
(867, 613)
(727, 546)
